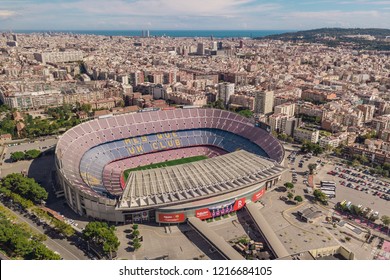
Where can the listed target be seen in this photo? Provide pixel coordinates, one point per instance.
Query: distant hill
(356, 38)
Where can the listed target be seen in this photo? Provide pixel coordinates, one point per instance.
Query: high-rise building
(368, 112)
(214, 46)
(277, 123)
(225, 90)
(291, 125)
(285, 108)
(145, 33)
(264, 102)
(200, 50)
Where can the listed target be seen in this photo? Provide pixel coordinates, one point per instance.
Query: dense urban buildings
(114, 104)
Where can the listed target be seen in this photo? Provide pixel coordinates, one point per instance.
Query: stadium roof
(197, 180)
(74, 144)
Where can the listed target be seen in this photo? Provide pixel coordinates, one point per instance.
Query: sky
(191, 14)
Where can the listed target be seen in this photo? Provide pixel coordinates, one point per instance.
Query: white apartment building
(286, 108)
(55, 57)
(306, 134)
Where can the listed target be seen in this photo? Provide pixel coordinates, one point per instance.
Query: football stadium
(166, 166)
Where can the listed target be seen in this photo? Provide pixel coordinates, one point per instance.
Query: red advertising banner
(203, 213)
(239, 204)
(258, 195)
(171, 218)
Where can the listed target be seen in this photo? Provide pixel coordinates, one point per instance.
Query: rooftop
(186, 182)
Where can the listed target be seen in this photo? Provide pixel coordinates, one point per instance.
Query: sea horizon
(164, 32)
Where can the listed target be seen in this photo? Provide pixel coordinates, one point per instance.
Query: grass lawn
(164, 164)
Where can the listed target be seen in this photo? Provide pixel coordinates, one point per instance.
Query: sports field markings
(164, 164)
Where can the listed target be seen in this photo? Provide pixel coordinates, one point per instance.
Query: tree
(386, 221)
(356, 210)
(320, 196)
(338, 151)
(136, 244)
(32, 154)
(41, 252)
(63, 227)
(289, 185)
(25, 187)
(246, 113)
(86, 107)
(298, 198)
(120, 103)
(16, 156)
(218, 104)
(290, 195)
(308, 147)
(328, 148)
(102, 235)
(355, 163)
(136, 233)
(312, 167)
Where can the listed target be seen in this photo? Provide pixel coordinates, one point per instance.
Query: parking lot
(357, 187)
(367, 190)
(43, 145)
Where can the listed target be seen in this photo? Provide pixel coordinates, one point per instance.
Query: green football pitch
(164, 164)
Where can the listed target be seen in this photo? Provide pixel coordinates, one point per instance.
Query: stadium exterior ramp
(214, 240)
(267, 232)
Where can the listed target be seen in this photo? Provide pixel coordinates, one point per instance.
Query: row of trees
(284, 137)
(308, 147)
(103, 236)
(30, 154)
(17, 241)
(58, 225)
(383, 169)
(25, 187)
(136, 240)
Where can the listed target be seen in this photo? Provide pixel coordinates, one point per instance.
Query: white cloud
(191, 14)
(171, 7)
(333, 14)
(6, 14)
(365, 2)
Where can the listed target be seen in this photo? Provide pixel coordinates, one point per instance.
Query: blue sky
(191, 14)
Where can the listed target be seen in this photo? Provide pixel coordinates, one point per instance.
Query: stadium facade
(243, 162)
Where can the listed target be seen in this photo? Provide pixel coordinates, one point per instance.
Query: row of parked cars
(362, 182)
(366, 211)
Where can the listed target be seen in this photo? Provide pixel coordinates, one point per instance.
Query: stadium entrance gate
(146, 216)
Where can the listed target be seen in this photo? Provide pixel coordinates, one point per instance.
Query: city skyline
(194, 15)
